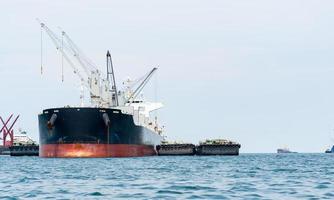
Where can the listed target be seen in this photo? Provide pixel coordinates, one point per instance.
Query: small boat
(23, 145)
(330, 150)
(285, 150)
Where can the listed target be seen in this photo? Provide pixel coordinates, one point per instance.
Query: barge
(24, 150)
(218, 147)
(174, 149)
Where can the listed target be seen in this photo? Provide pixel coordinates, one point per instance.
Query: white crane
(103, 92)
(91, 78)
(133, 95)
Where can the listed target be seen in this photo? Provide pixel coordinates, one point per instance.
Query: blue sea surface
(248, 176)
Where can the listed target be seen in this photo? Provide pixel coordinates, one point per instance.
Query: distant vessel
(218, 147)
(284, 150)
(330, 150)
(23, 145)
(176, 148)
(22, 138)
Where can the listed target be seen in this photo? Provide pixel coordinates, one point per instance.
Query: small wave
(190, 187)
(148, 188)
(321, 186)
(253, 195)
(253, 176)
(168, 192)
(95, 194)
(329, 194)
(8, 198)
(284, 170)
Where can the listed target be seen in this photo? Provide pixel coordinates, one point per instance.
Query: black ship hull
(93, 132)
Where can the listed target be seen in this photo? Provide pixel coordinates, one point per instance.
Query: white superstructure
(22, 138)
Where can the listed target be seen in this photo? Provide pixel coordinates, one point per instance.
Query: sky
(257, 72)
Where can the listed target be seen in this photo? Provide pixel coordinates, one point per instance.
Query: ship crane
(99, 88)
(130, 99)
(103, 92)
(141, 86)
(84, 61)
(111, 80)
(91, 79)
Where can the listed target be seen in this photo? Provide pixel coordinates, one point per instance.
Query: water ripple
(248, 176)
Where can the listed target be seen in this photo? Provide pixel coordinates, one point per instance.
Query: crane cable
(156, 97)
(41, 51)
(138, 80)
(62, 59)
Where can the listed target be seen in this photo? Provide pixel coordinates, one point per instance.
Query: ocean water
(248, 176)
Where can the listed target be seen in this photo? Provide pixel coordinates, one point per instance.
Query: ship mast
(111, 80)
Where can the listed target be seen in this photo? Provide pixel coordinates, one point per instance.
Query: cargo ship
(116, 123)
(218, 147)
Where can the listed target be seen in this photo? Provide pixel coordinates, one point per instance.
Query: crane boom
(85, 63)
(142, 85)
(111, 80)
(57, 43)
(103, 92)
(89, 75)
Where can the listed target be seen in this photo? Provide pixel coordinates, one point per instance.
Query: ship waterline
(82, 150)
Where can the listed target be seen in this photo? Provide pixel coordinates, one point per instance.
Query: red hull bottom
(95, 150)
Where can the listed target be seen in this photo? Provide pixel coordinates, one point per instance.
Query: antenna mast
(111, 80)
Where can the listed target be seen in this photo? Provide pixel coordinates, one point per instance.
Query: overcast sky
(257, 72)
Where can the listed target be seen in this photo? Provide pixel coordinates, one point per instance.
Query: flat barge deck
(208, 147)
(176, 149)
